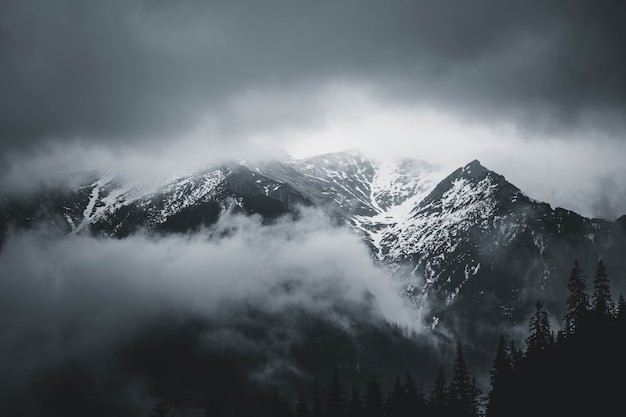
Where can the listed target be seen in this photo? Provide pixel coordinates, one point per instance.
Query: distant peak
(475, 165)
(472, 170)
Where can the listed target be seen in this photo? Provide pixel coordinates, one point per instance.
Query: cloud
(148, 71)
(143, 87)
(79, 299)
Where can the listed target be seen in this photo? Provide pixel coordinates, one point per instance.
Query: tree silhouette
(578, 300)
(395, 400)
(438, 402)
(476, 400)
(460, 393)
(414, 404)
(373, 398)
(601, 302)
(515, 355)
(501, 373)
(501, 366)
(578, 376)
(540, 336)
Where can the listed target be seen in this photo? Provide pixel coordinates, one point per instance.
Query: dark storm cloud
(137, 70)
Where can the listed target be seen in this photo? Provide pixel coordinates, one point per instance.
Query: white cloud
(81, 296)
(583, 171)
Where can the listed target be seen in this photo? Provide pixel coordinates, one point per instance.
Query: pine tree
(540, 336)
(395, 400)
(373, 398)
(515, 355)
(476, 400)
(438, 402)
(501, 365)
(577, 377)
(601, 302)
(413, 398)
(336, 404)
(559, 338)
(577, 302)
(355, 406)
(501, 372)
(460, 394)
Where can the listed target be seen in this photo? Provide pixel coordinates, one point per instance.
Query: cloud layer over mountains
(132, 71)
(117, 84)
(78, 299)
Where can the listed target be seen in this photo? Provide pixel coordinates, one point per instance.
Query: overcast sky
(534, 89)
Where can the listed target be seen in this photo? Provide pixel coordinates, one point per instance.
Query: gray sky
(534, 89)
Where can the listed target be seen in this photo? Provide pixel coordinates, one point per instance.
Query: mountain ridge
(470, 247)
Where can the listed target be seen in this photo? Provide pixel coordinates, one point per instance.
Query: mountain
(486, 251)
(108, 207)
(473, 250)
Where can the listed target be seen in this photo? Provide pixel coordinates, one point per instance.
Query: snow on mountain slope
(436, 238)
(396, 188)
(435, 221)
(486, 251)
(471, 239)
(471, 250)
(368, 195)
(339, 182)
(397, 182)
(116, 208)
(109, 197)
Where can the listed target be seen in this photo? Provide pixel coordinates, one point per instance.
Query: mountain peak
(474, 164)
(478, 178)
(473, 170)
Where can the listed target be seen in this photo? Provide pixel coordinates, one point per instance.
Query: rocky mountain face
(471, 248)
(487, 252)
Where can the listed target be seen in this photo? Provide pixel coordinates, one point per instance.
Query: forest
(577, 370)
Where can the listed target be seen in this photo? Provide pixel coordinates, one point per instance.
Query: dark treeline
(461, 397)
(579, 370)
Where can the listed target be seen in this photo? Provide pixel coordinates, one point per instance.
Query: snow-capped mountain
(470, 246)
(486, 251)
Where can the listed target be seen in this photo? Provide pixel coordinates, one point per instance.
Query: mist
(581, 172)
(153, 86)
(78, 299)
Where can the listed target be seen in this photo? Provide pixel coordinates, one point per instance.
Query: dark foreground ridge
(572, 372)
